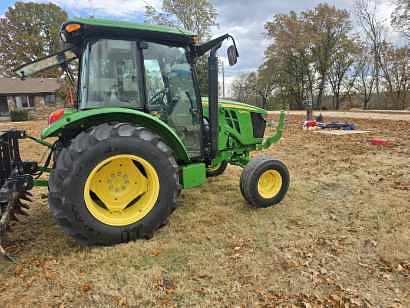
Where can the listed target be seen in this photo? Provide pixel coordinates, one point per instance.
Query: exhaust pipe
(213, 102)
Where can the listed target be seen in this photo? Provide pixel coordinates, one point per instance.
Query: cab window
(171, 92)
(113, 78)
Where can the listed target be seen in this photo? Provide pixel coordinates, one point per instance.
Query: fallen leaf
(86, 287)
(335, 297)
(387, 276)
(18, 270)
(122, 301)
(333, 217)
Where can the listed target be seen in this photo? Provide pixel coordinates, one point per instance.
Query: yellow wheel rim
(121, 190)
(269, 184)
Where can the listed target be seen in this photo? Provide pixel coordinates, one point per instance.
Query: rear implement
(16, 181)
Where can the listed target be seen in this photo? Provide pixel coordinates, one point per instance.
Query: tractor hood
(228, 104)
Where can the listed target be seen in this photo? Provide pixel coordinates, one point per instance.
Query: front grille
(259, 125)
(232, 120)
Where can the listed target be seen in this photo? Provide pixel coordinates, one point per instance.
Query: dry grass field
(341, 238)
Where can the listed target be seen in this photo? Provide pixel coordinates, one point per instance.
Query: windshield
(171, 92)
(113, 78)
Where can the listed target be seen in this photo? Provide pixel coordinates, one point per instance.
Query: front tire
(113, 183)
(264, 182)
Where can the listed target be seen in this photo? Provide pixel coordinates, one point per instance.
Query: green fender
(87, 118)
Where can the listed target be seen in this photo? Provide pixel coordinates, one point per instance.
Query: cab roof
(110, 27)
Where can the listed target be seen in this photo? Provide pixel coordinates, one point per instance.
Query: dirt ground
(341, 238)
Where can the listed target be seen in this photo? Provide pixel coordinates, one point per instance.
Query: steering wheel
(157, 100)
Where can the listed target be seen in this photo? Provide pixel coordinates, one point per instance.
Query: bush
(19, 115)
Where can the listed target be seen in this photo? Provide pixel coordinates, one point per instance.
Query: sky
(243, 19)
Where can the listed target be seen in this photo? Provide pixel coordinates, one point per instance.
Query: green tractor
(137, 134)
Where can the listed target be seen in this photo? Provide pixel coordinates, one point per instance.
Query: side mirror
(232, 55)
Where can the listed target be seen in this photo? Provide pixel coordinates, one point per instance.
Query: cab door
(171, 94)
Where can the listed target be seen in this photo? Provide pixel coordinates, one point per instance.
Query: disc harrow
(16, 179)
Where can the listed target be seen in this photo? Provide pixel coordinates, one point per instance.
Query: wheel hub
(121, 190)
(269, 184)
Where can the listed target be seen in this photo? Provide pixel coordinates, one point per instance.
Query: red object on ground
(310, 123)
(379, 141)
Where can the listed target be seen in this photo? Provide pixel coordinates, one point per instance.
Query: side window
(171, 92)
(113, 75)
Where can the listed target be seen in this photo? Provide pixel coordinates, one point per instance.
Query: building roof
(12, 86)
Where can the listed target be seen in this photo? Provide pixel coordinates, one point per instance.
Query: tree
(288, 59)
(327, 27)
(266, 84)
(340, 78)
(302, 52)
(245, 89)
(365, 11)
(400, 17)
(365, 72)
(395, 67)
(29, 32)
(239, 91)
(197, 16)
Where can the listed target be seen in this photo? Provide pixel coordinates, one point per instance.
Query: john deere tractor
(138, 133)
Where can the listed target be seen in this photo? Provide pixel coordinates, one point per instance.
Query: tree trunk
(365, 102)
(320, 94)
(337, 101)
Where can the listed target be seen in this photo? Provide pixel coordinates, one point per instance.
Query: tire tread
(64, 211)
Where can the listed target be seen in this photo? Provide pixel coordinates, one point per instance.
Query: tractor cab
(141, 67)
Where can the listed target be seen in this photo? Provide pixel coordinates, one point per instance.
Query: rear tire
(80, 186)
(264, 182)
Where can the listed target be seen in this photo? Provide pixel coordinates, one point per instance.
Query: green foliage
(19, 115)
(327, 27)
(299, 60)
(289, 62)
(197, 16)
(29, 32)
